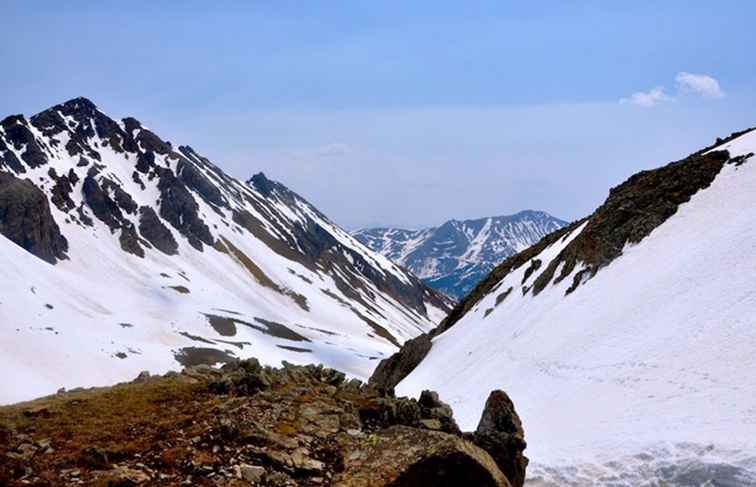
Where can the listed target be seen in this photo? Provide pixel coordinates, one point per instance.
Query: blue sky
(405, 113)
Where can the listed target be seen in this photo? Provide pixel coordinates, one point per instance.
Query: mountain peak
(159, 241)
(80, 102)
(262, 184)
(78, 108)
(454, 256)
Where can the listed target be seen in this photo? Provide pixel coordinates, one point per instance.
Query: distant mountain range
(455, 256)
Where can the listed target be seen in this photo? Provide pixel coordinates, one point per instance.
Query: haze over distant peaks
(455, 256)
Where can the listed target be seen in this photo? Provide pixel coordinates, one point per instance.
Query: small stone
(251, 473)
(302, 461)
(431, 424)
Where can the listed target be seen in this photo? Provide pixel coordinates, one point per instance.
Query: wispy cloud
(701, 84)
(686, 83)
(647, 98)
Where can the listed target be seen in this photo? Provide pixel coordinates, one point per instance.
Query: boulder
(500, 433)
(403, 457)
(392, 370)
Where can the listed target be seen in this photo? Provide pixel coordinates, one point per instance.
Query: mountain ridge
(645, 307)
(105, 222)
(455, 255)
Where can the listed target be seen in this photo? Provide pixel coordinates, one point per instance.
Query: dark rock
(177, 207)
(392, 370)
(241, 378)
(100, 202)
(17, 133)
(26, 219)
(499, 415)
(123, 199)
(195, 180)
(262, 184)
(152, 229)
(500, 433)
(435, 410)
(152, 143)
(630, 213)
(129, 240)
(8, 159)
(94, 457)
(62, 190)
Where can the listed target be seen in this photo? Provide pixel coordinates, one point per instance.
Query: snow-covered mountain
(122, 252)
(455, 256)
(627, 340)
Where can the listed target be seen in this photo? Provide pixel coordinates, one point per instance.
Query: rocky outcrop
(405, 457)
(178, 208)
(25, 219)
(18, 135)
(500, 433)
(247, 424)
(392, 370)
(152, 229)
(630, 213)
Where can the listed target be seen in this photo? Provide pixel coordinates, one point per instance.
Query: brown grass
(118, 421)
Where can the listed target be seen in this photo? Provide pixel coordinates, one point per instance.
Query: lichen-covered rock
(500, 433)
(392, 370)
(26, 219)
(405, 457)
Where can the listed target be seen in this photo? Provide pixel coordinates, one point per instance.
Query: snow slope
(256, 270)
(456, 255)
(646, 372)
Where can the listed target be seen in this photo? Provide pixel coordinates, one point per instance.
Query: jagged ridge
(157, 221)
(455, 256)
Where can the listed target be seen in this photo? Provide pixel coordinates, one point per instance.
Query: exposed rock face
(152, 229)
(630, 213)
(392, 370)
(295, 426)
(25, 219)
(500, 433)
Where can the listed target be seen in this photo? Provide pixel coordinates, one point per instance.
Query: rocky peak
(118, 189)
(456, 255)
(260, 182)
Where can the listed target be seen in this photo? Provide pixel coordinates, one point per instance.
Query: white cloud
(687, 83)
(647, 98)
(701, 84)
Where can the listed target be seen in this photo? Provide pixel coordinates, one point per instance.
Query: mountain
(625, 339)
(122, 252)
(455, 256)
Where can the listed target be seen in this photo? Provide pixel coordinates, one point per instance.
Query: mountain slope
(455, 256)
(121, 252)
(627, 338)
